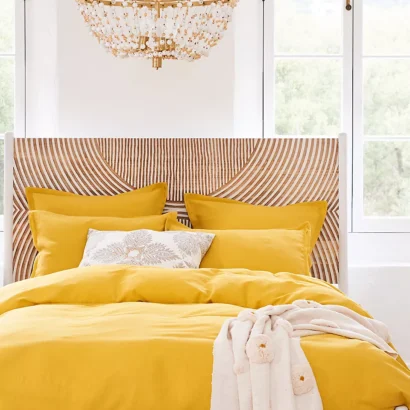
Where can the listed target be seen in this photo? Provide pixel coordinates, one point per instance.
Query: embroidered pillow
(173, 249)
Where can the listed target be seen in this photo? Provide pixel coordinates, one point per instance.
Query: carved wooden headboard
(257, 171)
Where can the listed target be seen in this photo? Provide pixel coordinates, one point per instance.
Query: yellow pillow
(141, 202)
(272, 250)
(206, 212)
(60, 239)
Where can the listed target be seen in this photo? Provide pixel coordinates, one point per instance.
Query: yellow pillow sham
(149, 200)
(272, 250)
(60, 239)
(206, 212)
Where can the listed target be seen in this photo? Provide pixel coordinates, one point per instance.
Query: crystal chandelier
(158, 29)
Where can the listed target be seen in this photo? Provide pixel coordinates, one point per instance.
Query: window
(7, 69)
(382, 115)
(329, 70)
(304, 61)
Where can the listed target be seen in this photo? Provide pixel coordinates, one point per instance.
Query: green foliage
(387, 178)
(6, 94)
(307, 27)
(6, 26)
(308, 92)
(308, 97)
(386, 28)
(387, 97)
(387, 108)
(6, 66)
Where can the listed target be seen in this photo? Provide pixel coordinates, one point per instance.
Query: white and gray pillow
(171, 249)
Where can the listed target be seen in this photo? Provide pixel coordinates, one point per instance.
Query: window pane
(6, 26)
(387, 97)
(6, 94)
(308, 26)
(387, 178)
(308, 96)
(386, 27)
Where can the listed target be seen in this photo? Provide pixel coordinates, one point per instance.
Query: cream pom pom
(303, 380)
(260, 349)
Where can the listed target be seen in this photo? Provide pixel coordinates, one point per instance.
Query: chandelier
(158, 29)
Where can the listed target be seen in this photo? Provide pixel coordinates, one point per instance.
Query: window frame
(362, 223)
(269, 67)
(351, 115)
(19, 56)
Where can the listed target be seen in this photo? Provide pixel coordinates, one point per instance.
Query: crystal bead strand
(158, 30)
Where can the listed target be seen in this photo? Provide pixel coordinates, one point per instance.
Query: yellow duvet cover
(129, 338)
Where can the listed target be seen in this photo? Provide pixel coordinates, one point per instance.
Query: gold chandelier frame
(158, 5)
(161, 3)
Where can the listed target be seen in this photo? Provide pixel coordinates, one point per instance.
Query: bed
(122, 337)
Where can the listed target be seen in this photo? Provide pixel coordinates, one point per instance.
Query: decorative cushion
(271, 250)
(146, 248)
(206, 212)
(146, 201)
(60, 239)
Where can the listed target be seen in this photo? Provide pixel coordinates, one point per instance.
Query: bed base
(334, 155)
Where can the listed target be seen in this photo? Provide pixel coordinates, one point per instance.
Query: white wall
(74, 88)
(379, 279)
(384, 292)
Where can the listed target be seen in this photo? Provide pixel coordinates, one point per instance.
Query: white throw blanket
(260, 365)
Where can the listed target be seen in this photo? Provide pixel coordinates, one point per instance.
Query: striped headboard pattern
(257, 171)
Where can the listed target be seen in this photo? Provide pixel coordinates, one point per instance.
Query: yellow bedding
(131, 338)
